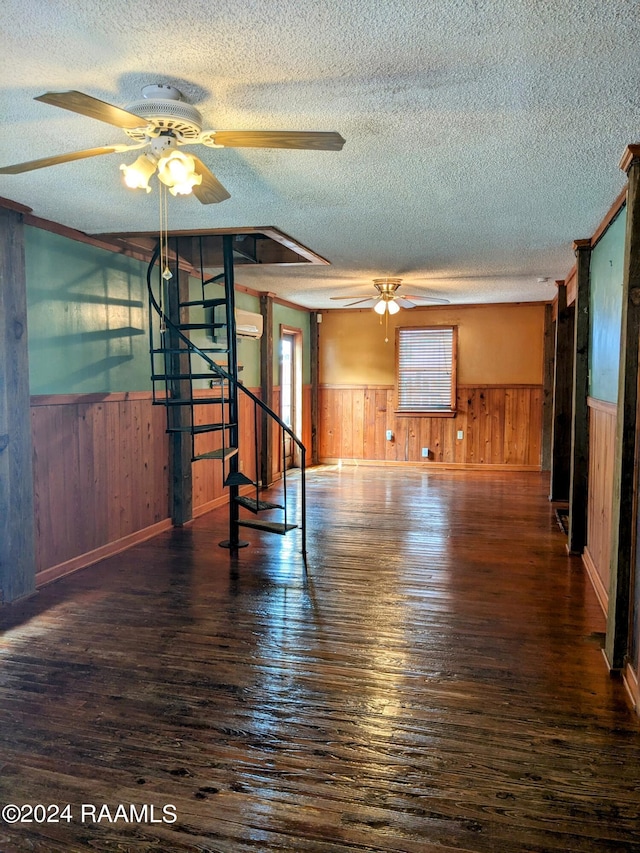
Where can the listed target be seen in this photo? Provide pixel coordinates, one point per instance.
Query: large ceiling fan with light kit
(162, 122)
(387, 301)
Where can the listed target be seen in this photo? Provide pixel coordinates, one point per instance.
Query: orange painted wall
(497, 344)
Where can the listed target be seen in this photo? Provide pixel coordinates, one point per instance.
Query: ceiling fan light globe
(186, 188)
(393, 307)
(177, 171)
(136, 176)
(380, 307)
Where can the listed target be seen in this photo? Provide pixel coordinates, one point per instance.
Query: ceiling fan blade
(336, 298)
(371, 301)
(357, 301)
(78, 102)
(210, 191)
(315, 140)
(420, 298)
(61, 158)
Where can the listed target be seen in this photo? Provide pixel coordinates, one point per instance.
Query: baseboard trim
(424, 466)
(83, 560)
(596, 581)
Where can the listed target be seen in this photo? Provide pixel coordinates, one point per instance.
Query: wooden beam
(547, 386)
(17, 550)
(624, 510)
(266, 387)
(562, 398)
(578, 482)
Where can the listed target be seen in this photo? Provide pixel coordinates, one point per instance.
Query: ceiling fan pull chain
(164, 232)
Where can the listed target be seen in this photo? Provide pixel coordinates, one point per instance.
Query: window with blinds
(426, 370)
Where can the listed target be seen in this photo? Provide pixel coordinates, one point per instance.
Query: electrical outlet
(425, 452)
(460, 433)
(389, 435)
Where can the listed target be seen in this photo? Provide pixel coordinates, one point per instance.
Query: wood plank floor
(435, 684)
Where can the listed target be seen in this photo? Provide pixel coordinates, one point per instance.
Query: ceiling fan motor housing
(387, 287)
(165, 110)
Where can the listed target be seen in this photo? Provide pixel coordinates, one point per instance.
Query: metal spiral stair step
(186, 350)
(269, 526)
(166, 377)
(200, 428)
(193, 401)
(256, 506)
(187, 326)
(220, 453)
(204, 303)
(237, 478)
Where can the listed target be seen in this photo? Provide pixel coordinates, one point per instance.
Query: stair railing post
(303, 502)
(181, 440)
(232, 369)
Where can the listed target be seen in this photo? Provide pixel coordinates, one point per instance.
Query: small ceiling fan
(162, 122)
(387, 301)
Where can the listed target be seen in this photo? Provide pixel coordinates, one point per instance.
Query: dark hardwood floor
(434, 684)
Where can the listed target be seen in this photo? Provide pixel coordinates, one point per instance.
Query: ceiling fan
(162, 122)
(387, 301)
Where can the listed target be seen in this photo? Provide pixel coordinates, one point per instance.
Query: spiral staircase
(208, 420)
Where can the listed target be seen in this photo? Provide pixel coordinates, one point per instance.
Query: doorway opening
(291, 392)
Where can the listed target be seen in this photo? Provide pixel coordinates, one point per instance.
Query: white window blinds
(426, 369)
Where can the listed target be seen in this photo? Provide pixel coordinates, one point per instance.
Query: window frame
(428, 412)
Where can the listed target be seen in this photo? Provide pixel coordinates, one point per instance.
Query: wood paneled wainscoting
(101, 480)
(101, 473)
(602, 440)
(501, 427)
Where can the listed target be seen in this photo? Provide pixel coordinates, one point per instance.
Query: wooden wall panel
(100, 472)
(501, 426)
(208, 474)
(602, 433)
(306, 420)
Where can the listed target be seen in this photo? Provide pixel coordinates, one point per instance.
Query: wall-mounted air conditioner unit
(248, 324)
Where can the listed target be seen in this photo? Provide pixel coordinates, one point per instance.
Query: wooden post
(624, 510)
(314, 325)
(266, 387)
(562, 398)
(579, 477)
(547, 387)
(180, 416)
(17, 548)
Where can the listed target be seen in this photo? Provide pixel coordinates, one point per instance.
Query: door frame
(296, 385)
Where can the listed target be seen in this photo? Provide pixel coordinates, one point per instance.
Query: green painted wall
(248, 348)
(87, 317)
(88, 320)
(285, 316)
(606, 272)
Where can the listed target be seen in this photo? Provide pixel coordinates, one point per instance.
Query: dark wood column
(547, 386)
(579, 477)
(17, 548)
(180, 416)
(266, 387)
(562, 398)
(623, 519)
(314, 325)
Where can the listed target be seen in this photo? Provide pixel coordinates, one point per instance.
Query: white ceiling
(482, 136)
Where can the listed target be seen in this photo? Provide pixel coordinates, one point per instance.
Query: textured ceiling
(482, 137)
